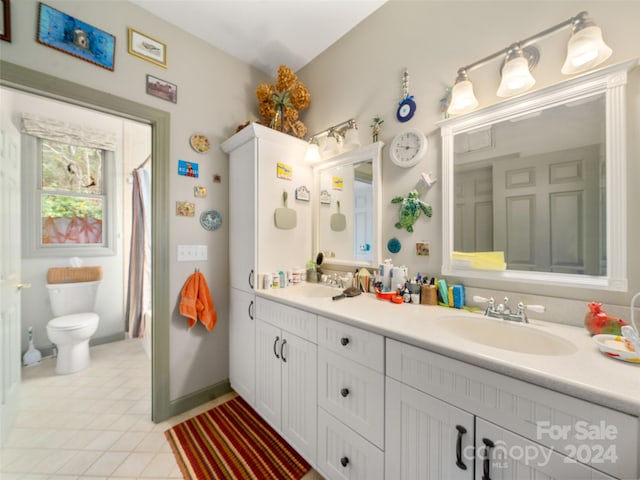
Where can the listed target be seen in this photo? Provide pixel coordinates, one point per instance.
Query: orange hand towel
(196, 302)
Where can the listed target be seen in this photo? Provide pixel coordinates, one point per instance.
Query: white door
(299, 398)
(426, 438)
(9, 272)
(242, 212)
(242, 344)
(502, 455)
(269, 373)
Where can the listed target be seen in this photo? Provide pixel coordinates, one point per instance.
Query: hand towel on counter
(196, 302)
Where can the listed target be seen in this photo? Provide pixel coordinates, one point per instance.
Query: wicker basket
(73, 274)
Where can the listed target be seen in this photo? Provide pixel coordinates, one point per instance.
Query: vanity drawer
(343, 454)
(293, 320)
(553, 419)
(354, 394)
(351, 342)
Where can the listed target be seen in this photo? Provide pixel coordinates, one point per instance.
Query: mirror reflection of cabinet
(541, 178)
(348, 232)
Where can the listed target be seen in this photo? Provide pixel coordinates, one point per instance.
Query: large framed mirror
(534, 187)
(348, 206)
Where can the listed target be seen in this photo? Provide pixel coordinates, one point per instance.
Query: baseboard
(198, 398)
(115, 337)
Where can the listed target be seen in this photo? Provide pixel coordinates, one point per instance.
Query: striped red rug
(231, 441)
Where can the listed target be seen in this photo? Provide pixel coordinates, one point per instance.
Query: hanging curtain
(139, 290)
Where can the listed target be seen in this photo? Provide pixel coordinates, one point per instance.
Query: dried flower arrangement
(280, 103)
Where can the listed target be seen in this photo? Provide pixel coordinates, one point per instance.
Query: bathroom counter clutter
(559, 357)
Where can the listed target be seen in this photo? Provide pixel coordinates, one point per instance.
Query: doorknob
(22, 285)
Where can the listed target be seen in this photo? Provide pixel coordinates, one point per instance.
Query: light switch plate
(192, 253)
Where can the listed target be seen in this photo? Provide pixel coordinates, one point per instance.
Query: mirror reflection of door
(363, 215)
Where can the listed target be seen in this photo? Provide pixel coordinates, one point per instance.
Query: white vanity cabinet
(286, 364)
(432, 393)
(350, 402)
(255, 244)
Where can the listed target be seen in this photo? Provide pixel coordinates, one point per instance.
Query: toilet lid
(70, 322)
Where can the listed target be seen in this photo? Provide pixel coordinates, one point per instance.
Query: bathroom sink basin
(314, 290)
(516, 337)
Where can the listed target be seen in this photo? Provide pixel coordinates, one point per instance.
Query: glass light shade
(585, 50)
(462, 98)
(516, 77)
(351, 139)
(331, 147)
(313, 153)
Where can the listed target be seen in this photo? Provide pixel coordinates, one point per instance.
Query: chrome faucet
(503, 310)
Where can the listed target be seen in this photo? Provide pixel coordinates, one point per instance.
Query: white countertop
(586, 374)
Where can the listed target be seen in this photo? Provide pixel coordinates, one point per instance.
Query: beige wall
(360, 76)
(215, 94)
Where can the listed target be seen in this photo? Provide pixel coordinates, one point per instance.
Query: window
(68, 199)
(72, 198)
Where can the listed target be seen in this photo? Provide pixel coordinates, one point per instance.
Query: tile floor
(94, 424)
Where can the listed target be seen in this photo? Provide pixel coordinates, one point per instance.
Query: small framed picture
(5, 20)
(162, 89)
(200, 191)
(187, 169)
(147, 48)
(185, 209)
(69, 35)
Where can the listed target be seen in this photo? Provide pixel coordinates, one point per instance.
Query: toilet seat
(73, 322)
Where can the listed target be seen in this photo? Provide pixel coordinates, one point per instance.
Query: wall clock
(408, 147)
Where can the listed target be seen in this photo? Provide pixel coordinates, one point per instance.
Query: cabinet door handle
(344, 392)
(488, 444)
(250, 279)
(344, 461)
(461, 432)
(344, 341)
(275, 347)
(250, 310)
(284, 342)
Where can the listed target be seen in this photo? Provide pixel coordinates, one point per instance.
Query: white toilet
(74, 323)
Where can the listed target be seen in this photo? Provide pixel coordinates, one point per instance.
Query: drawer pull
(344, 392)
(284, 342)
(488, 444)
(251, 310)
(250, 279)
(461, 432)
(344, 341)
(344, 461)
(275, 347)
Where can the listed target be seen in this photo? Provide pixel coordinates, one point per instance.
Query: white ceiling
(266, 33)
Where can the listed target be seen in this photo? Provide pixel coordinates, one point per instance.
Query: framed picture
(162, 89)
(147, 48)
(5, 20)
(69, 35)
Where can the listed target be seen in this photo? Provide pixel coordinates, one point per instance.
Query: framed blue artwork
(187, 169)
(69, 35)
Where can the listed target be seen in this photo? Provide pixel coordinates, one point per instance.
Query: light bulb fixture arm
(577, 22)
(339, 129)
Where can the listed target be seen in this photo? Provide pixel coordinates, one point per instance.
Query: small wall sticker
(337, 183)
(303, 193)
(285, 171)
(325, 197)
(187, 169)
(185, 209)
(199, 191)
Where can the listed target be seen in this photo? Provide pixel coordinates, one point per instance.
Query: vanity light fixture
(586, 49)
(339, 138)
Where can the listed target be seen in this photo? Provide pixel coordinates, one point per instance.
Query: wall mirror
(347, 207)
(540, 181)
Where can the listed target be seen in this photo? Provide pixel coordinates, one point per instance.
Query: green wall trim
(28, 80)
(196, 399)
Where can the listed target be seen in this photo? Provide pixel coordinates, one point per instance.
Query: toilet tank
(68, 298)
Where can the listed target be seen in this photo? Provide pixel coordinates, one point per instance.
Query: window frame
(32, 207)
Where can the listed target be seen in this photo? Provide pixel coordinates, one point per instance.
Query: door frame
(33, 81)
